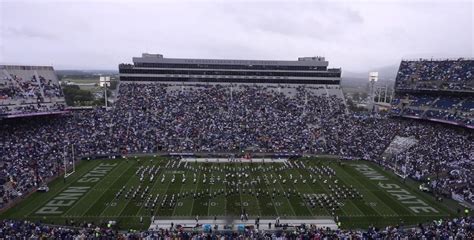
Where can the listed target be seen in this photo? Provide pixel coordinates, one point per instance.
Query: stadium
(239, 148)
(262, 119)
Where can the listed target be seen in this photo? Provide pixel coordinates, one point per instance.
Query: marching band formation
(255, 180)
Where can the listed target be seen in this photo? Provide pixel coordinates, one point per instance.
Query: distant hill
(86, 72)
(386, 74)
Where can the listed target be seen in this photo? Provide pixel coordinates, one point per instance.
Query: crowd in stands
(150, 118)
(457, 228)
(31, 109)
(418, 84)
(16, 229)
(15, 87)
(453, 109)
(436, 74)
(35, 93)
(219, 118)
(439, 151)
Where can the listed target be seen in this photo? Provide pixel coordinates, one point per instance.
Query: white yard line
(91, 191)
(180, 191)
(289, 203)
(151, 189)
(273, 202)
(299, 198)
(103, 192)
(195, 190)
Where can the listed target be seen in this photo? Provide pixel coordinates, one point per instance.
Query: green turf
(98, 204)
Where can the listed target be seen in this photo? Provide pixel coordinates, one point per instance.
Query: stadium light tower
(105, 82)
(373, 78)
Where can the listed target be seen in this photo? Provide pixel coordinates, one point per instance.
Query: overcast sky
(355, 35)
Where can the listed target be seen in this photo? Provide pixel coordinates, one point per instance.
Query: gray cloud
(28, 32)
(356, 36)
(318, 20)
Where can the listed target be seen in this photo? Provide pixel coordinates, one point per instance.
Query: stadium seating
(413, 112)
(467, 105)
(422, 101)
(149, 118)
(29, 89)
(437, 90)
(457, 228)
(153, 117)
(436, 74)
(446, 102)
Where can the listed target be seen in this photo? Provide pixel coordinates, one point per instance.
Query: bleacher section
(467, 105)
(436, 75)
(436, 90)
(29, 90)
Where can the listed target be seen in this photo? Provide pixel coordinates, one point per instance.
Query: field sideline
(90, 194)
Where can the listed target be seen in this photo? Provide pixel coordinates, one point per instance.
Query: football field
(358, 193)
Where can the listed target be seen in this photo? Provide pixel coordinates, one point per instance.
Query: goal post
(69, 160)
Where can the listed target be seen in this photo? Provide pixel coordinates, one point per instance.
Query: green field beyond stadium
(359, 193)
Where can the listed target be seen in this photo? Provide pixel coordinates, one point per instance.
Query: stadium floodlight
(69, 164)
(373, 78)
(105, 82)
